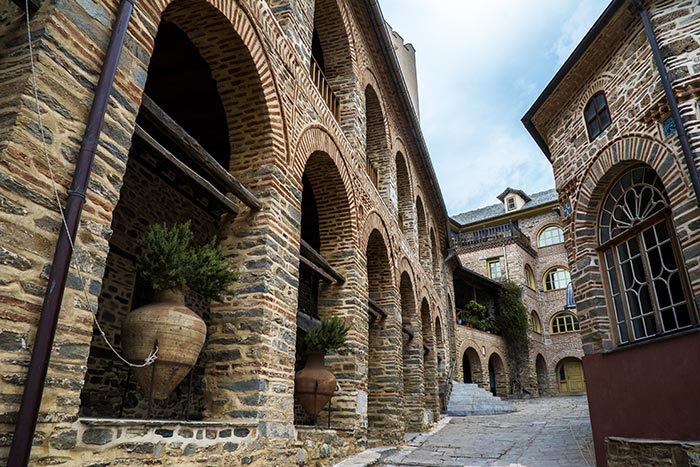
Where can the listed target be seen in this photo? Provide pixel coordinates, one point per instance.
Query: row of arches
(228, 108)
(567, 377)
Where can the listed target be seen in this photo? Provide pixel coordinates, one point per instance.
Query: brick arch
(404, 197)
(617, 157)
(500, 370)
(472, 356)
(422, 229)
(384, 411)
(374, 221)
(315, 138)
(430, 361)
(228, 20)
(411, 353)
(540, 226)
(599, 84)
(435, 254)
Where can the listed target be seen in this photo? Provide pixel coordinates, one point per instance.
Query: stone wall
(514, 257)
(624, 452)
(276, 121)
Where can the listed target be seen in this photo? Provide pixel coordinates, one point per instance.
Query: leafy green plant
(512, 324)
(476, 315)
(330, 335)
(167, 261)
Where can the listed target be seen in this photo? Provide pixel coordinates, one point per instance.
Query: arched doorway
(384, 412)
(541, 369)
(412, 370)
(498, 385)
(471, 367)
(430, 379)
(570, 376)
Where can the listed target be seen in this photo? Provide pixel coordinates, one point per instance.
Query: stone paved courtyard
(548, 432)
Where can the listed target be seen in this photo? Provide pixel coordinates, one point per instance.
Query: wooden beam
(307, 322)
(316, 269)
(375, 309)
(193, 149)
(315, 257)
(201, 181)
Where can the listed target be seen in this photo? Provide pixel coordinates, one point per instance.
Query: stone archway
(570, 379)
(471, 367)
(412, 369)
(498, 382)
(384, 413)
(542, 380)
(430, 362)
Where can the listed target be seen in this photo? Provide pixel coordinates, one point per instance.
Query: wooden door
(570, 376)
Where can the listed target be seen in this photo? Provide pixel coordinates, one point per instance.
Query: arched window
(535, 323)
(556, 278)
(564, 322)
(645, 279)
(529, 277)
(597, 115)
(550, 235)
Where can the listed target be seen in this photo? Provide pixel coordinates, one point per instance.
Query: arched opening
(541, 368)
(498, 384)
(331, 59)
(412, 369)
(405, 201)
(384, 413)
(377, 160)
(430, 380)
(195, 91)
(423, 245)
(324, 212)
(435, 253)
(570, 376)
(471, 367)
(441, 361)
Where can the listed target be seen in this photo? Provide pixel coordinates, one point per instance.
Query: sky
(480, 66)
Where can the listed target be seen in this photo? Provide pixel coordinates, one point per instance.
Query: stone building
(620, 124)
(284, 129)
(521, 239)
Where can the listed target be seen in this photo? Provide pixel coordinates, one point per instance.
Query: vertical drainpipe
(671, 98)
(46, 329)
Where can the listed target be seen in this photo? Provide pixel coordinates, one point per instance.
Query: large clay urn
(180, 334)
(314, 385)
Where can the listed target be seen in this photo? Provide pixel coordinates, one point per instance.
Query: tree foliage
(168, 261)
(512, 324)
(330, 335)
(477, 315)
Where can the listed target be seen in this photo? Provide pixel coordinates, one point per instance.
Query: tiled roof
(496, 210)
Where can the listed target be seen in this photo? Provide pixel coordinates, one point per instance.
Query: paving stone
(547, 432)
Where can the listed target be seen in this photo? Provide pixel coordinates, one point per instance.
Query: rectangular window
(494, 268)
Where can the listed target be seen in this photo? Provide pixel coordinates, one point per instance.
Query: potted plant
(169, 264)
(314, 385)
(475, 315)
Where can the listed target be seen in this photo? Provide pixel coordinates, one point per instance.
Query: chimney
(406, 55)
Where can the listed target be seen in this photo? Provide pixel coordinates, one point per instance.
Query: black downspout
(46, 330)
(670, 96)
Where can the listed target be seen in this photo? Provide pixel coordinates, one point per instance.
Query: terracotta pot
(180, 333)
(314, 385)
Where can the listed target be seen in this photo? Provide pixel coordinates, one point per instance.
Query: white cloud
(480, 66)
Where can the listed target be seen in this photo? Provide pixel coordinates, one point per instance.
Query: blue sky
(480, 67)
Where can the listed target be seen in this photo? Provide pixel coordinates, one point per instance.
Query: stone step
(469, 399)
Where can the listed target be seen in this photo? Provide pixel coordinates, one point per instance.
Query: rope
(154, 355)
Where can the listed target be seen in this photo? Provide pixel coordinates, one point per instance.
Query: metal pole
(671, 97)
(46, 330)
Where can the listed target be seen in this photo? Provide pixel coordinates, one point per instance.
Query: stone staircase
(470, 399)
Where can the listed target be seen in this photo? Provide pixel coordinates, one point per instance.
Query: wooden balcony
(332, 101)
(372, 172)
(490, 236)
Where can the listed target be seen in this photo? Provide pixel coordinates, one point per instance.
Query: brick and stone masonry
(245, 66)
(652, 380)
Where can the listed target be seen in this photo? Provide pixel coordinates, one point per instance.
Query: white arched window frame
(550, 235)
(645, 280)
(556, 278)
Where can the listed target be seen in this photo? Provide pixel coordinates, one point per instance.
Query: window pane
(604, 119)
(600, 101)
(589, 112)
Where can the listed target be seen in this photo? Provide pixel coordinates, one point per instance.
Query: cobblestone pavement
(548, 432)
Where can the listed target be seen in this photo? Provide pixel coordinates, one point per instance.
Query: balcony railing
(488, 235)
(332, 101)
